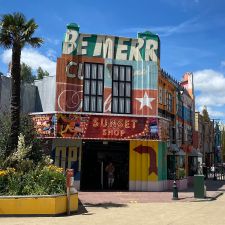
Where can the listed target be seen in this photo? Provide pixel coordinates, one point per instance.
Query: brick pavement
(214, 189)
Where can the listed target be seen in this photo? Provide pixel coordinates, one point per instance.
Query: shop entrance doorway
(96, 155)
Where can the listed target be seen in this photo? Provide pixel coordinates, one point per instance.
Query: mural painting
(152, 155)
(68, 157)
(45, 125)
(147, 165)
(143, 48)
(140, 54)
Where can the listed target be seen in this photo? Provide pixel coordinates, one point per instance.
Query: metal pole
(69, 183)
(102, 168)
(203, 143)
(175, 192)
(214, 153)
(68, 200)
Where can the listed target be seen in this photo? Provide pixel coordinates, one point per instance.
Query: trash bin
(199, 186)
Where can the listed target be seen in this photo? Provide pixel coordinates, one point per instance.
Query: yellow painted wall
(140, 162)
(35, 206)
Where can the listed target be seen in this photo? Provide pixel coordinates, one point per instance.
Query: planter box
(181, 184)
(47, 205)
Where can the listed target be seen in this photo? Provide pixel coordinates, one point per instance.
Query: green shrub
(53, 179)
(40, 181)
(3, 184)
(28, 170)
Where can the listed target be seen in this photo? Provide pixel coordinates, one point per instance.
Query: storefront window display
(180, 167)
(192, 165)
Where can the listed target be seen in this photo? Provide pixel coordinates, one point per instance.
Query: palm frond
(35, 42)
(6, 21)
(14, 28)
(19, 19)
(29, 28)
(5, 40)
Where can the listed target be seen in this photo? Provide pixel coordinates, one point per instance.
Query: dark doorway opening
(96, 155)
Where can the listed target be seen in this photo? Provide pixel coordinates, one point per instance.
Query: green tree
(41, 73)
(39, 147)
(4, 133)
(15, 33)
(26, 73)
(205, 114)
(1, 74)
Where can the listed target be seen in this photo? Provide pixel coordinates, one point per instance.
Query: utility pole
(214, 151)
(203, 142)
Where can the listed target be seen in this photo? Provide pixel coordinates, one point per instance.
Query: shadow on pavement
(106, 205)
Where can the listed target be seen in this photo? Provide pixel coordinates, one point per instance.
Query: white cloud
(53, 41)
(209, 81)
(52, 54)
(33, 58)
(210, 86)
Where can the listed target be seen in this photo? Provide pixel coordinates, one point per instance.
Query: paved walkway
(176, 213)
(133, 213)
(214, 189)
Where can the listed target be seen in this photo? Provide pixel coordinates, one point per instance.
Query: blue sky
(192, 34)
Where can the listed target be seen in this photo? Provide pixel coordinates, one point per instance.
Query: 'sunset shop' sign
(114, 127)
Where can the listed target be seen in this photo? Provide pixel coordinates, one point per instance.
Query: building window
(189, 114)
(180, 107)
(93, 87)
(160, 95)
(169, 102)
(121, 89)
(180, 167)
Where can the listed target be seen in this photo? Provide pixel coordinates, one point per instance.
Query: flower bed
(45, 180)
(29, 183)
(39, 191)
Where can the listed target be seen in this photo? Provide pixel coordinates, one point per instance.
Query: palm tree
(15, 33)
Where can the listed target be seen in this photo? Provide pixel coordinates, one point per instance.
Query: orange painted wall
(167, 86)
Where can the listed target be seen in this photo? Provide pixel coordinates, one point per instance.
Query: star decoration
(145, 101)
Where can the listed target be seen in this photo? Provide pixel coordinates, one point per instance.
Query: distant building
(29, 96)
(177, 104)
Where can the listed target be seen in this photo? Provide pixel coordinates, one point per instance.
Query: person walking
(110, 169)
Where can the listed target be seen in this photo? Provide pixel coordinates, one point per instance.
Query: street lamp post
(175, 191)
(214, 153)
(214, 149)
(174, 150)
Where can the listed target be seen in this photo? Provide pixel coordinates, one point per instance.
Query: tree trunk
(15, 98)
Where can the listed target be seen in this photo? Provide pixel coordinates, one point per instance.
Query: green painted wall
(162, 161)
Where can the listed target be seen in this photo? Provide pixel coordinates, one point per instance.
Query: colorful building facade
(177, 104)
(106, 110)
